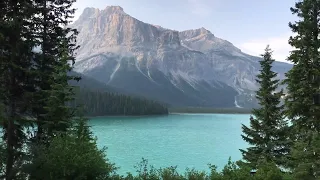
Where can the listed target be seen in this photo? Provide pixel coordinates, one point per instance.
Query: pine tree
(303, 83)
(267, 131)
(71, 155)
(59, 115)
(52, 64)
(15, 87)
(3, 155)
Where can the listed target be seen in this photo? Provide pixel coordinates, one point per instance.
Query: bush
(269, 171)
(73, 156)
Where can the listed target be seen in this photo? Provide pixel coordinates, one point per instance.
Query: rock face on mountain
(231, 65)
(189, 68)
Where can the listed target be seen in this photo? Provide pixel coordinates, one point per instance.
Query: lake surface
(183, 140)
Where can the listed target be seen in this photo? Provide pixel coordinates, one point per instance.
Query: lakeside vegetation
(204, 110)
(60, 145)
(99, 103)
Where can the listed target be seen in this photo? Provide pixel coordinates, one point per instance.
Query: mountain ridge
(195, 65)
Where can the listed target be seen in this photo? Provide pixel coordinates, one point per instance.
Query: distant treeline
(99, 103)
(210, 110)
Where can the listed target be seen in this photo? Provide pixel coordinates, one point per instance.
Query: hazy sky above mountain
(249, 24)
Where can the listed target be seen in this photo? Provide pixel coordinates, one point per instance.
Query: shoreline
(119, 116)
(181, 111)
(235, 113)
(171, 113)
(196, 110)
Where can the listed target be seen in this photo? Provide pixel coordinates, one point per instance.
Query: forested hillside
(99, 99)
(98, 103)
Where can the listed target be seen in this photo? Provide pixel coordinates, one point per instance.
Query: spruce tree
(267, 133)
(303, 84)
(52, 64)
(74, 155)
(59, 115)
(16, 45)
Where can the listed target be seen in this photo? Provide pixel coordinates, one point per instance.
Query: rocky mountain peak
(204, 31)
(94, 13)
(200, 33)
(114, 8)
(88, 12)
(112, 30)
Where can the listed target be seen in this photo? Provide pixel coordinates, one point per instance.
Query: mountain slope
(154, 84)
(231, 64)
(189, 68)
(93, 84)
(99, 99)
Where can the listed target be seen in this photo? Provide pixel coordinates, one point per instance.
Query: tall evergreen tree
(16, 44)
(59, 115)
(303, 83)
(78, 145)
(268, 131)
(52, 63)
(2, 146)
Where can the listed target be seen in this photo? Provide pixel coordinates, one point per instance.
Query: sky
(248, 24)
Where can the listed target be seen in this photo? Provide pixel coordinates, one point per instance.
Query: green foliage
(193, 174)
(2, 114)
(59, 115)
(36, 84)
(236, 171)
(15, 87)
(170, 173)
(144, 172)
(214, 174)
(302, 79)
(269, 171)
(232, 171)
(50, 66)
(3, 156)
(97, 103)
(303, 83)
(268, 131)
(306, 161)
(72, 156)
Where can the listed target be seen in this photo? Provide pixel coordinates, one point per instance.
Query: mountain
(92, 84)
(230, 64)
(99, 99)
(188, 68)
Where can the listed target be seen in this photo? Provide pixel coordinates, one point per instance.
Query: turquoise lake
(182, 140)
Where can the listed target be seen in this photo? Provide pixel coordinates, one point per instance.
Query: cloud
(199, 7)
(279, 45)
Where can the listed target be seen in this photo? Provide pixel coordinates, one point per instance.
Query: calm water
(189, 140)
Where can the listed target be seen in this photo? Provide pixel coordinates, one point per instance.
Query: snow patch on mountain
(114, 72)
(88, 65)
(236, 103)
(191, 80)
